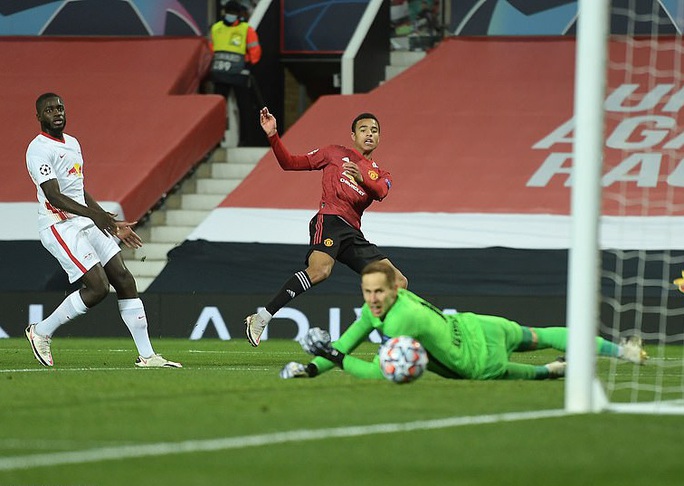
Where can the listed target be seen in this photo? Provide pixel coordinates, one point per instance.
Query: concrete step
(184, 210)
(152, 251)
(392, 71)
(245, 155)
(185, 217)
(174, 201)
(406, 58)
(231, 170)
(170, 234)
(201, 201)
(204, 170)
(148, 268)
(157, 218)
(143, 282)
(143, 233)
(219, 155)
(217, 186)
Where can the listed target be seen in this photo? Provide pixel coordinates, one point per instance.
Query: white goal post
(647, 77)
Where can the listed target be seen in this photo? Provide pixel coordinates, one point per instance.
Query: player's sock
(606, 348)
(297, 284)
(133, 314)
(265, 315)
(70, 308)
(520, 371)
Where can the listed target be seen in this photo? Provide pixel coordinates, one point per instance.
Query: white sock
(133, 314)
(70, 308)
(265, 315)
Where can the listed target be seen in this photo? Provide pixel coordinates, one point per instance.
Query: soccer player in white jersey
(80, 235)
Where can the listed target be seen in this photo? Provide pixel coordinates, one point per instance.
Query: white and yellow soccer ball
(402, 359)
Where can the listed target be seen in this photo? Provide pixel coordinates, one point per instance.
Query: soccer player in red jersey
(351, 181)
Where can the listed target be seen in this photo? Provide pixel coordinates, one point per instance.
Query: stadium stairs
(179, 214)
(203, 190)
(401, 61)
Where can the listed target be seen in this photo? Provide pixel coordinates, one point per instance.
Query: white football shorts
(78, 245)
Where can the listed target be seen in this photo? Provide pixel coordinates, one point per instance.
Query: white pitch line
(58, 370)
(134, 369)
(193, 446)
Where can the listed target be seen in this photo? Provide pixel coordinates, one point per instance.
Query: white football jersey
(49, 158)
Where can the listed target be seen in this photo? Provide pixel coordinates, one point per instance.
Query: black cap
(232, 6)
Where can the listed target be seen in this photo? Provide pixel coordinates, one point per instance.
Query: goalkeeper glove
(556, 368)
(317, 342)
(298, 370)
(680, 283)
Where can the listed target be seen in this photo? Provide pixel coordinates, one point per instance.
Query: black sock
(297, 284)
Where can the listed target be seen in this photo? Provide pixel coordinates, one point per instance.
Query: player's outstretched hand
(125, 233)
(105, 221)
(316, 341)
(294, 370)
(268, 122)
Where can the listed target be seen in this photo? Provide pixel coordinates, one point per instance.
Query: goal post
(627, 206)
(584, 258)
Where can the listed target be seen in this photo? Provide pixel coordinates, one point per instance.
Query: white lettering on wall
(213, 315)
(676, 177)
(562, 134)
(295, 315)
(555, 163)
(640, 168)
(635, 128)
(646, 141)
(618, 100)
(35, 313)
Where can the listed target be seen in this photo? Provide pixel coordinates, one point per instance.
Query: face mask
(230, 18)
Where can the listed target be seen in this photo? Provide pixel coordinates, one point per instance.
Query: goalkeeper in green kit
(459, 346)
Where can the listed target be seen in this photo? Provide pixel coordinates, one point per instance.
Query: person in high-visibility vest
(236, 48)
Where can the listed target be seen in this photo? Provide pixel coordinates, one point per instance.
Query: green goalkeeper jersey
(461, 345)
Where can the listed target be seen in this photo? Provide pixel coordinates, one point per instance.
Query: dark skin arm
(102, 219)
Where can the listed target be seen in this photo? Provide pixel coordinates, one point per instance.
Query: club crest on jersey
(373, 175)
(328, 242)
(76, 170)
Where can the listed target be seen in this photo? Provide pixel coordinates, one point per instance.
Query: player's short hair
(40, 101)
(379, 266)
(364, 116)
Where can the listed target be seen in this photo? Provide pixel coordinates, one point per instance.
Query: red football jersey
(342, 195)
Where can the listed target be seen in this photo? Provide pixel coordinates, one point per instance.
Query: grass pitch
(227, 418)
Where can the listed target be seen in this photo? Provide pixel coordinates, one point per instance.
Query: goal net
(641, 222)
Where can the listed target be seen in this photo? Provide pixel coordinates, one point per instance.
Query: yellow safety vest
(230, 46)
(229, 38)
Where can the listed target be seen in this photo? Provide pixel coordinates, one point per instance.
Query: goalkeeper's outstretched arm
(357, 332)
(317, 342)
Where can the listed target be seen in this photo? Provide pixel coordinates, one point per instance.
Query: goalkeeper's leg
(557, 338)
(519, 371)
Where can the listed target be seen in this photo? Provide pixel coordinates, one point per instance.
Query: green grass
(95, 400)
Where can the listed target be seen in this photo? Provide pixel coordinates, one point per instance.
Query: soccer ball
(402, 359)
